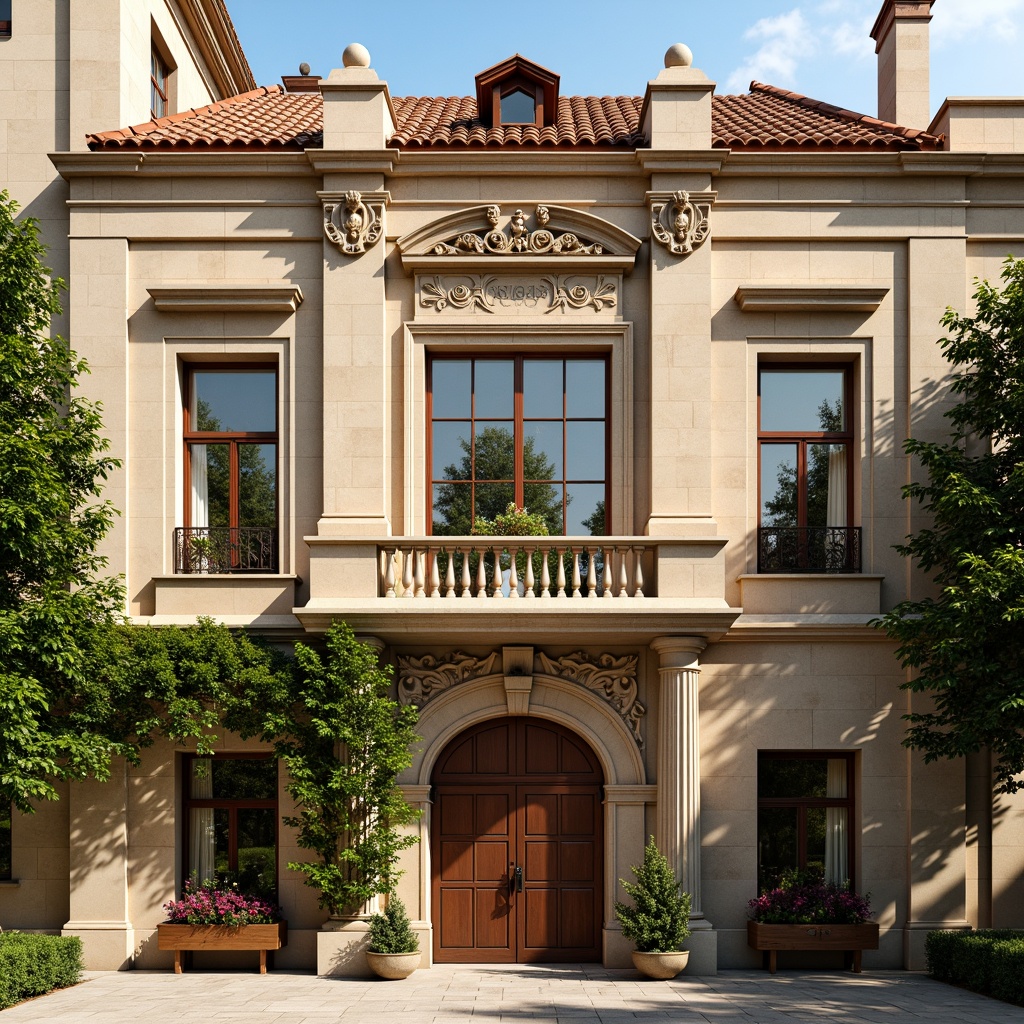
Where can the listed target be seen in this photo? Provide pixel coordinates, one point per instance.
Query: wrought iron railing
(211, 549)
(793, 549)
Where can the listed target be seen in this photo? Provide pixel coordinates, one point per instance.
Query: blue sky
(819, 47)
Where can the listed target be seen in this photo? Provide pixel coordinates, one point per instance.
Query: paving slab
(513, 994)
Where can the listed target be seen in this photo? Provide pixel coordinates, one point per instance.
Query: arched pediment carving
(523, 237)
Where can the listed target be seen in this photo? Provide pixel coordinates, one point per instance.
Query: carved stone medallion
(354, 224)
(517, 239)
(681, 222)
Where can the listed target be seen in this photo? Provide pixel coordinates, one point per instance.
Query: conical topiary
(390, 932)
(659, 919)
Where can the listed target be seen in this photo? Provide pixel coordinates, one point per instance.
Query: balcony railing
(792, 549)
(513, 568)
(216, 549)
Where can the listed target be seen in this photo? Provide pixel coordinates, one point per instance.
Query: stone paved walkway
(569, 994)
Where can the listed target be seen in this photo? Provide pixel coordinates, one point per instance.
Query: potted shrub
(394, 950)
(212, 914)
(804, 912)
(659, 919)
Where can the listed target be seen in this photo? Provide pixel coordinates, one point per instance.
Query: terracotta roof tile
(582, 121)
(771, 118)
(767, 118)
(266, 118)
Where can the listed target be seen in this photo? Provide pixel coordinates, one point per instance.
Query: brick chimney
(900, 33)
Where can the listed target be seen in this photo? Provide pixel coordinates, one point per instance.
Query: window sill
(811, 593)
(10, 883)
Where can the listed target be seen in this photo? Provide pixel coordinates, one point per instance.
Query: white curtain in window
(837, 868)
(835, 511)
(202, 854)
(200, 486)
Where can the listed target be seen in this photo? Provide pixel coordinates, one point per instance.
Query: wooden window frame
(231, 438)
(803, 804)
(159, 84)
(802, 439)
(518, 420)
(232, 806)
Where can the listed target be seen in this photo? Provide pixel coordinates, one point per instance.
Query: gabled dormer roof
(516, 72)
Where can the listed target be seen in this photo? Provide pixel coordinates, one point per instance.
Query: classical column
(678, 760)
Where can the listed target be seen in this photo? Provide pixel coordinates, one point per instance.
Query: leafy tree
(965, 646)
(344, 742)
(495, 460)
(54, 596)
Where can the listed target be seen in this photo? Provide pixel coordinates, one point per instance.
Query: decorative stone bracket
(354, 221)
(680, 221)
(609, 676)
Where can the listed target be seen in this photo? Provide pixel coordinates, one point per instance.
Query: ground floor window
(231, 820)
(804, 816)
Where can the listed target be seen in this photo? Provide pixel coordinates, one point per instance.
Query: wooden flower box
(850, 939)
(189, 937)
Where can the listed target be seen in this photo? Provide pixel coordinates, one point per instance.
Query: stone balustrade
(559, 568)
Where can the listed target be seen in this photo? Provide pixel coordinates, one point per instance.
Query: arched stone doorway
(517, 845)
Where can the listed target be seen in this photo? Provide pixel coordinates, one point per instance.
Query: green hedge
(31, 965)
(990, 962)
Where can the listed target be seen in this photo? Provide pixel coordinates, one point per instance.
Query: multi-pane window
(804, 816)
(805, 440)
(158, 91)
(527, 430)
(231, 820)
(231, 469)
(6, 841)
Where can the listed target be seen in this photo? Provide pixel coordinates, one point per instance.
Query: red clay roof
(767, 118)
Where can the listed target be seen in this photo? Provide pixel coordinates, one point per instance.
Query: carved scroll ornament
(485, 292)
(419, 679)
(681, 223)
(517, 239)
(356, 224)
(609, 676)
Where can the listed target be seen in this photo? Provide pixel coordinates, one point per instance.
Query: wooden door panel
(456, 906)
(541, 862)
(494, 919)
(457, 814)
(492, 814)
(540, 913)
(577, 814)
(492, 862)
(577, 862)
(456, 861)
(576, 916)
(541, 814)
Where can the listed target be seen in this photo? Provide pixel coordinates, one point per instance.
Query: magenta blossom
(810, 901)
(211, 902)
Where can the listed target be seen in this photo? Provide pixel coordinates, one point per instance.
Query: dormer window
(518, 107)
(517, 91)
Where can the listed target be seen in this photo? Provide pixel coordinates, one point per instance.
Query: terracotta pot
(393, 966)
(660, 965)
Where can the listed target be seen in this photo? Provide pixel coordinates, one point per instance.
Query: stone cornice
(218, 44)
(227, 299)
(800, 298)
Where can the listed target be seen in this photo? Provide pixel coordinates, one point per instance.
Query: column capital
(678, 651)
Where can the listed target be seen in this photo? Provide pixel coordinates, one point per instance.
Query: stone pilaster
(678, 764)
(99, 871)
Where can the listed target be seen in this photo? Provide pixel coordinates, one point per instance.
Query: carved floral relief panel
(513, 295)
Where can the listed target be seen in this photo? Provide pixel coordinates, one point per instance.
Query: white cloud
(952, 20)
(787, 39)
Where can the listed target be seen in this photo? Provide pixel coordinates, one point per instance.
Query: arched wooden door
(516, 846)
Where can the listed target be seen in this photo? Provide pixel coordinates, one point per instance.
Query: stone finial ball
(303, 68)
(356, 56)
(678, 55)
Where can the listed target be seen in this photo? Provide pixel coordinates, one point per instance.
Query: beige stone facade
(687, 268)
